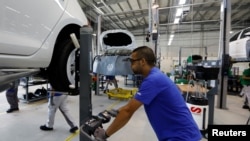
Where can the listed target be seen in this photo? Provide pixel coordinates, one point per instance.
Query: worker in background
(164, 105)
(11, 96)
(110, 79)
(58, 100)
(245, 81)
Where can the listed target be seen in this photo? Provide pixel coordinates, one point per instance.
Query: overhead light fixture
(154, 6)
(178, 12)
(171, 37)
(169, 42)
(176, 20)
(182, 2)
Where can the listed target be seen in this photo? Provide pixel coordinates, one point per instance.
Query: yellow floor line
(69, 138)
(113, 105)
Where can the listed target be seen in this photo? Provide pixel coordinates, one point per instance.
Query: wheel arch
(64, 35)
(65, 32)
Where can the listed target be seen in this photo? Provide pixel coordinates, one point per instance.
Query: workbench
(184, 88)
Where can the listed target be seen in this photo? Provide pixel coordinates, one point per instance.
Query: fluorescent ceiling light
(176, 20)
(171, 37)
(182, 2)
(155, 6)
(170, 41)
(178, 12)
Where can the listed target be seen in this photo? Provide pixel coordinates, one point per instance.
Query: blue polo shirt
(166, 109)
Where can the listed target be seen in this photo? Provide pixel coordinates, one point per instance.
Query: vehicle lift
(88, 122)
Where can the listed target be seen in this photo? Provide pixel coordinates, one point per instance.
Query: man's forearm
(121, 119)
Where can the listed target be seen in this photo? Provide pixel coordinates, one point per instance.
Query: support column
(224, 43)
(99, 21)
(85, 77)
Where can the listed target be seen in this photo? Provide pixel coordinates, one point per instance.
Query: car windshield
(234, 37)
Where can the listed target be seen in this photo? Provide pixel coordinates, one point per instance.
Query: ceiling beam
(99, 4)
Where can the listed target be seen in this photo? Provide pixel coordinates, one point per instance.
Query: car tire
(61, 72)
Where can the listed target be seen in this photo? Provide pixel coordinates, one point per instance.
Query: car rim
(70, 68)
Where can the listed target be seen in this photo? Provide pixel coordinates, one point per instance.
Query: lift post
(224, 43)
(85, 77)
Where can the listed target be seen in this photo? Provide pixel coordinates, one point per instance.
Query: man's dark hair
(147, 53)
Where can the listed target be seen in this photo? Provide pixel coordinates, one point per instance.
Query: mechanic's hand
(100, 135)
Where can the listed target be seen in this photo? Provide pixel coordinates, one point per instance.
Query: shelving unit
(234, 85)
(30, 96)
(136, 80)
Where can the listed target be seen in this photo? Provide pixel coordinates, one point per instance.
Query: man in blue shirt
(163, 103)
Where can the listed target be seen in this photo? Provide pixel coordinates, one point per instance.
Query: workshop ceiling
(196, 15)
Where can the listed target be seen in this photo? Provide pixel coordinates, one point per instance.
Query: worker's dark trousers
(11, 96)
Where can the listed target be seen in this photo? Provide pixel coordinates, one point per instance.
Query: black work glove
(100, 134)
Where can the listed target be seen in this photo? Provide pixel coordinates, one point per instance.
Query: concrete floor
(24, 124)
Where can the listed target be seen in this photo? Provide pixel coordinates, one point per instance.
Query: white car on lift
(36, 35)
(239, 44)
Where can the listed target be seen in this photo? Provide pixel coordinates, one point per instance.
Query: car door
(244, 37)
(241, 43)
(233, 45)
(25, 24)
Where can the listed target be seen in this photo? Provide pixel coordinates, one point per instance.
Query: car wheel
(61, 71)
